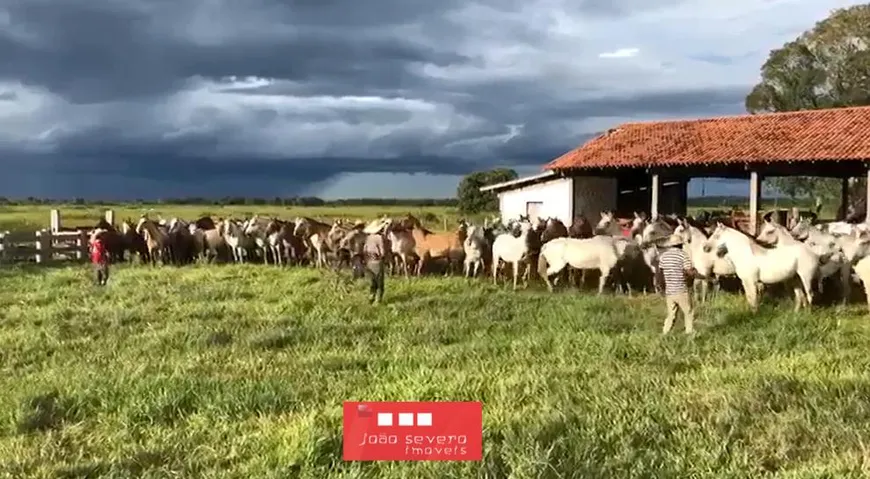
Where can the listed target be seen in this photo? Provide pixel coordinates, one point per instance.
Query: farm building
(647, 166)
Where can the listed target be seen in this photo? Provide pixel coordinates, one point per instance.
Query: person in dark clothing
(376, 250)
(100, 259)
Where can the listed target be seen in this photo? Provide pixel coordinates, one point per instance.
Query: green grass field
(240, 371)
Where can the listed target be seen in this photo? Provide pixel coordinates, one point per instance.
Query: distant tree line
(238, 200)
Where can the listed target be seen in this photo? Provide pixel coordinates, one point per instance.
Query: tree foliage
(827, 66)
(471, 199)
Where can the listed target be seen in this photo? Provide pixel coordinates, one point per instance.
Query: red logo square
(413, 431)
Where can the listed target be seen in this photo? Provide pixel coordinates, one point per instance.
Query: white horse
(848, 250)
(235, 238)
(598, 252)
(842, 228)
(512, 249)
(709, 266)
(474, 246)
(788, 260)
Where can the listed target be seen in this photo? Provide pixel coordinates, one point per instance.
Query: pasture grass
(240, 371)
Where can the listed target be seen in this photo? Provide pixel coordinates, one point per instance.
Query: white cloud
(621, 53)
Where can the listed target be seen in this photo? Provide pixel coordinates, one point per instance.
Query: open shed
(647, 166)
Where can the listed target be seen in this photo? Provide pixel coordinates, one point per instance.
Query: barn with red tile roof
(652, 162)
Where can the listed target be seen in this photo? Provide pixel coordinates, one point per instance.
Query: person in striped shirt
(674, 269)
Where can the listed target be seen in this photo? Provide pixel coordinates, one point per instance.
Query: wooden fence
(46, 245)
(43, 246)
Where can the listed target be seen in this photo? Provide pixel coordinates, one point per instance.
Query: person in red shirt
(100, 258)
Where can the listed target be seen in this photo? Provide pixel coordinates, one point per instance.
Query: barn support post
(654, 196)
(844, 198)
(867, 198)
(754, 198)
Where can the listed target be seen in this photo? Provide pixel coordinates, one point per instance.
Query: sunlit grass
(240, 371)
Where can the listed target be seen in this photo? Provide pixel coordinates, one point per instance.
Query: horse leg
(602, 281)
(751, 291)
(846, 280)
(807, 284)
(799, 296)
(516, 273)
(495, 262)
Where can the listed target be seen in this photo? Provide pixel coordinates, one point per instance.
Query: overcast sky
(124, 99)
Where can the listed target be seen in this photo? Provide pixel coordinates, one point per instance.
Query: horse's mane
(753, 244)
(697, 225)
(417, 224)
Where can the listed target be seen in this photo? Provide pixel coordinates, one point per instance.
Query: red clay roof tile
(812, 135)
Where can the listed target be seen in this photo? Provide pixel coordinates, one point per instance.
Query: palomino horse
(474, 246)
(429, 245)
(596, 253)
(156, 240)
(235, 239)
(757, 266)
(710, 267)
(512, 249)
(314, 233)
(402, 245)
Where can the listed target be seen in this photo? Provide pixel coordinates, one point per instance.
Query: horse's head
(300, 226)
(801, 229)
(654, 231)
(606, 223)
(770, 233)
(525, 227)
(273, 226)
(717, 241)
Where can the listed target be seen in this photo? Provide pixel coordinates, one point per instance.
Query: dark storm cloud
(125, 57)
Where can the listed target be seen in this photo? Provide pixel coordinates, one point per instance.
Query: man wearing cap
(674, 269)
(376, 250)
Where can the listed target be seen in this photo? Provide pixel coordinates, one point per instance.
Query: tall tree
(471, 199)
(827, 66)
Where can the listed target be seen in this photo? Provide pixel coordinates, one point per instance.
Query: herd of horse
(802, 254)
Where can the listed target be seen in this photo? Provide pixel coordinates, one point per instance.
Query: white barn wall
(557, 197)
(593, 195)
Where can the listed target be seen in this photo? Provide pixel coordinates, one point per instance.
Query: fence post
(110, 217)
(55, 220)
(81, 245)
(3, 248)
(40, 243)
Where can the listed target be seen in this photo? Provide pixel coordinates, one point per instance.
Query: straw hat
(672, 240)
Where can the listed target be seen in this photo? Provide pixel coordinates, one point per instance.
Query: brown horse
(112, 239)
(580, 228)
(156, 240)
(314, 234)
(133, 242)
(429, 245)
